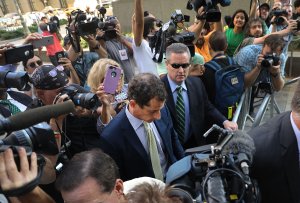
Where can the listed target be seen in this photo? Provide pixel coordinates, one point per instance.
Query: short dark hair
(144, 87)
(89, 164)
(218, 41)
(177, 48)
(44, 17)
(231, 25)
(274, 41)
(297, 3)
(148, 25)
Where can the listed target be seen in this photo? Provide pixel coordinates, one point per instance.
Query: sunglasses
(35, 64)
(178, 65)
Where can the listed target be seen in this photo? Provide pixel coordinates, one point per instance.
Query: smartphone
(47, 40)
(111, 81)
(59, 55)
(16, 54)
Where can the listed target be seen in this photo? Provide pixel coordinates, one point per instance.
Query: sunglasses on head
(35, 64)
(178, 65)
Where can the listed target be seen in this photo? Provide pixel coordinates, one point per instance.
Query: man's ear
(132, 103)
(119, 188)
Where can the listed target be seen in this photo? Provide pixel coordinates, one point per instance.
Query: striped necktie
(180, 113)
(153, 151)
(12, 108)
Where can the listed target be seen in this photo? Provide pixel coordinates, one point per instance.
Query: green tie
(153, 152)
(180, 113)
(12, 108)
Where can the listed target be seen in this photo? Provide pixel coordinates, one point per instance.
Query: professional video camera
(270, 60)
(167, 35)
(222, 176)
(81, 97)
(109, 27)
(28, 130)
(19, 80)
(279, 14)
(212, 14)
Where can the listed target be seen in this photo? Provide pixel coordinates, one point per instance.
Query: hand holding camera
(13, 178)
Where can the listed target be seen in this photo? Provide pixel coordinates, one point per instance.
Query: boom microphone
(242, 146)
(33, 116)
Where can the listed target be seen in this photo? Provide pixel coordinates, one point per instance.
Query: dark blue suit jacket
(276, 160)
(120, 141)
(201, 109)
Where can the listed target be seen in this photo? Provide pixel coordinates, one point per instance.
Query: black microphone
(215, 189)
(242, 146)
(34, 116)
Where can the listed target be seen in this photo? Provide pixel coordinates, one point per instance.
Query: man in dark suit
(276, 159)
(196, 108)
(130, 136)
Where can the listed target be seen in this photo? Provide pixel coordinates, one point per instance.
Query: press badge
(123, 54)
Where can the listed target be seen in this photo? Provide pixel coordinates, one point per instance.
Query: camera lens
(113, 74)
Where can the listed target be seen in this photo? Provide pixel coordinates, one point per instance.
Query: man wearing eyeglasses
(187, 99)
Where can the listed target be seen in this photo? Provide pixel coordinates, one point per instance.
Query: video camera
(212, 14)
(270, 60)
(19, 80)
(109, 27)
(27, 129)
(81, 97)
(167, 35)
(221, 176)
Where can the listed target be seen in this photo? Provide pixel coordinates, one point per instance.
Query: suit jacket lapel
(290, 156)
(170, 100)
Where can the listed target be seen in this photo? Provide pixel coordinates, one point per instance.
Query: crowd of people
(146, 114)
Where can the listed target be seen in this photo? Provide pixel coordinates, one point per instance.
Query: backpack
(229, 82)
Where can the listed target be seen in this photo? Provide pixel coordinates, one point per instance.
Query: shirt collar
(173, 85)
(135, 122)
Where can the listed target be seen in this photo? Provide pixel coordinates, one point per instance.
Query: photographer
(47, 30)
(51, 84)
(119, 47)
(252, 56)
(280, 21)
(202, 31)
(83, 61)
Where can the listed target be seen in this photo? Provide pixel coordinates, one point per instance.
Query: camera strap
(29, 186)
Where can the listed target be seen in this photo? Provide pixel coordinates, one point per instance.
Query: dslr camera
(270, 60)
(19, 80)
(81, 97)
(279, 14)
(212, 14)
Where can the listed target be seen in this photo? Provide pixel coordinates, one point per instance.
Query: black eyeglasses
(35, 64)
(178, 65)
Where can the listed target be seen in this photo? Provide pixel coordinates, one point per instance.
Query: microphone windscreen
(241, 142)
(34, 116)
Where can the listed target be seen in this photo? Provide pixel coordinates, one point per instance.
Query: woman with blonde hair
(112, 103)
